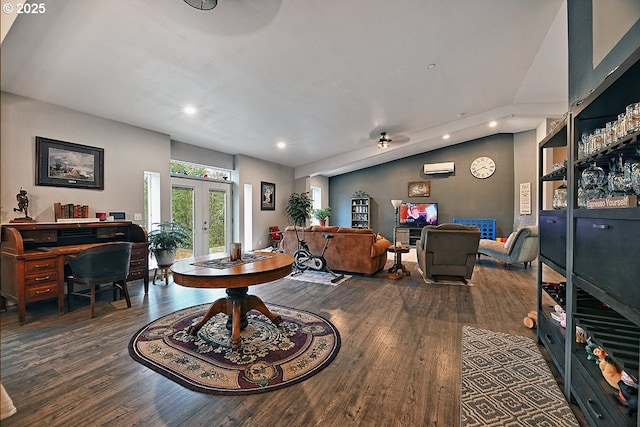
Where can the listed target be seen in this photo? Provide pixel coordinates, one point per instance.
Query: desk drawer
(112, 233)
(138, 252)
(39, 236)
(37, 265)
(137, 273)
(42, 291)
(41, 277)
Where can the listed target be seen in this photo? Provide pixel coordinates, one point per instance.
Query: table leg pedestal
(235, 305)
(398, 269)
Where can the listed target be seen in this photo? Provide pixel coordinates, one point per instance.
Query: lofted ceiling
(325, 77)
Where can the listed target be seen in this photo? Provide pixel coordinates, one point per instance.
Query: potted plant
(322, 214)
(165, 240)
(299, 207)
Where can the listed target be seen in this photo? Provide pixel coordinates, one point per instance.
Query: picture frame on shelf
(267, 196)
(66, 164)
(419, 189)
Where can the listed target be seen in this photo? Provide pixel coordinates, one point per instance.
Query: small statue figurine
(23, 205)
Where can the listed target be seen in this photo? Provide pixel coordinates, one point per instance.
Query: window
(192, 170)
(151, 199)
(316, 199)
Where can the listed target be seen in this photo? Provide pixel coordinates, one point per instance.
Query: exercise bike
(304, 259)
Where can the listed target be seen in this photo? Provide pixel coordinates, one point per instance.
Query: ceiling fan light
(202, 4)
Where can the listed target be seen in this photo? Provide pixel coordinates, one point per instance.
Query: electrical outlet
(137, 217)
(259, 243)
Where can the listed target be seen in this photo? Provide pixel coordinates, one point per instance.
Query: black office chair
(98, 265)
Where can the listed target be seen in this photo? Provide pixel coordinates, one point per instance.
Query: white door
(204, 207)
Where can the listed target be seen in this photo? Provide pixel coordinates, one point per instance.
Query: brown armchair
(448, 250)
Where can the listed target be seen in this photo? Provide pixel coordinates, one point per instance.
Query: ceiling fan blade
(399, 139)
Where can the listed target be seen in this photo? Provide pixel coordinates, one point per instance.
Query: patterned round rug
(269, 357)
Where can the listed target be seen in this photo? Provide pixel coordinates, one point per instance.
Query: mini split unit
(436, 168)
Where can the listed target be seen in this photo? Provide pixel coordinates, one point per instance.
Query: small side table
(164, 271)
(397, 270)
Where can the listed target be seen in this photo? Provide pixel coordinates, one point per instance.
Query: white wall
(250, 170)
(525, 169)
(128, 152)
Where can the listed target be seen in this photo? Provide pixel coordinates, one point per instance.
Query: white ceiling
(324, 76)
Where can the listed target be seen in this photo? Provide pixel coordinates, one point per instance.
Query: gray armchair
(524, 247)
(448, 250)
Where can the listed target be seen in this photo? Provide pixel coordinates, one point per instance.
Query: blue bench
(487, 226)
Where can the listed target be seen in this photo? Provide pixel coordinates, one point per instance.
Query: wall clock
(483, 167)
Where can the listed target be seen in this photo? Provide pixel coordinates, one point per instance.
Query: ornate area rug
(270, 357)
(506, 382)
(319, 277)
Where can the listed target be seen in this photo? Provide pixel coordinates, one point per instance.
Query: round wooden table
(398, 269)
(195, 273)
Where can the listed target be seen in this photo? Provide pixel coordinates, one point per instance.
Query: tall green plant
(299, 207)
(168, 236)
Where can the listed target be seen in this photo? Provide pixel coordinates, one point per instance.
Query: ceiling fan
(202, 4)
(385, 140)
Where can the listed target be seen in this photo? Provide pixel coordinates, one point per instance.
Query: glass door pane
(182, 211)
(217, 220)
(205, 208)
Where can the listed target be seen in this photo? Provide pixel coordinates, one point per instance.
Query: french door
(204, 207)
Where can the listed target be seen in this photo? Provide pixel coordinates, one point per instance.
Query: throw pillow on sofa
(510, 239)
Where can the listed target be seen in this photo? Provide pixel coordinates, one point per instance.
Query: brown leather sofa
(448, 250)
(351, 250)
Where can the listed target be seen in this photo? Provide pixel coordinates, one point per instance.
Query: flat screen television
(418, 214)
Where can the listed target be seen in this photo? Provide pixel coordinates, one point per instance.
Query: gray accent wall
(458, 194)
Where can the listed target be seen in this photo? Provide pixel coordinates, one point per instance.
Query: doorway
(204, 207)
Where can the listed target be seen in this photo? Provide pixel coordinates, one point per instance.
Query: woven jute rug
(269, 357)
(506, 382)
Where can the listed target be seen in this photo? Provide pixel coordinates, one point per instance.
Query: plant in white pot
(322, 214)
(165, 240)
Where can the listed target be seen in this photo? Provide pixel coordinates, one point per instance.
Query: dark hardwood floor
(399, 364)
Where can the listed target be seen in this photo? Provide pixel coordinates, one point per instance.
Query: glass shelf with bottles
(608, 164)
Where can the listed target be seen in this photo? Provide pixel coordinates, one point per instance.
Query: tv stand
(408, 235)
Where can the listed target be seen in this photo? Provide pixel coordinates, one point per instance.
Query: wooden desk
(33, 257)
(236, 279)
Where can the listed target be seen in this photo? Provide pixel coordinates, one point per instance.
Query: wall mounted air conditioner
(435, 168)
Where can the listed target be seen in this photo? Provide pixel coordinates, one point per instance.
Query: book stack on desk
(70, 211)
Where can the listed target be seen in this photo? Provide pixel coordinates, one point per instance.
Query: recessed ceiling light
(493, 124)
(447, 136)
(281, 144)
(190, 110)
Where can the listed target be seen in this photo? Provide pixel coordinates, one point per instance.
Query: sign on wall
(525, 198)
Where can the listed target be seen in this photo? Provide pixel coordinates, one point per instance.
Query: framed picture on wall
(419, 189)
(267, 196)
(65, 164)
